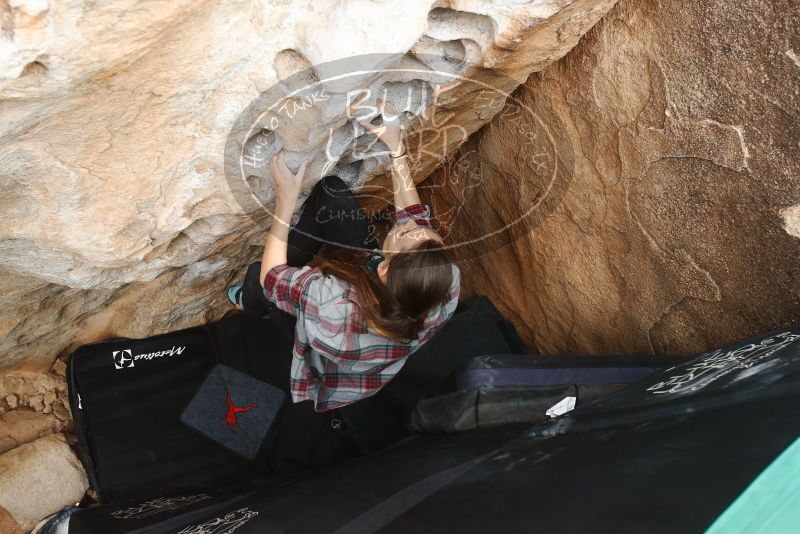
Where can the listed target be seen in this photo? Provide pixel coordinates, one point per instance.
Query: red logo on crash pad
(231, 416)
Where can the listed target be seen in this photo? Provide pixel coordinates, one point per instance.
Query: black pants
(331, 215)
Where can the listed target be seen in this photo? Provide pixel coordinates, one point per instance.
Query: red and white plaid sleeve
(288, 287)
(417, 212)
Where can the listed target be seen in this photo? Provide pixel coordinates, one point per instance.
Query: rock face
(38, 479)
(32, 405)
(673, 165)
(116, 218)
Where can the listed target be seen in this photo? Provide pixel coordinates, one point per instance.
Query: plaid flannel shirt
(337, 358)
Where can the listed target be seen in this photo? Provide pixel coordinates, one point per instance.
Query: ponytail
(416, 281)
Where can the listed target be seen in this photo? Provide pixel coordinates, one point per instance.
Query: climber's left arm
(287, 191)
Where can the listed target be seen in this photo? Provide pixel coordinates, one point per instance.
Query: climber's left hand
(287, 185)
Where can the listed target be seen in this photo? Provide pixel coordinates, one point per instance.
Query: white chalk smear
(794, 57)
(791, 220)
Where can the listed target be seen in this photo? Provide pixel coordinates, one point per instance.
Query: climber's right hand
(389, 132)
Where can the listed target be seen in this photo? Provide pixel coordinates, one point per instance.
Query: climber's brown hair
(417, 279)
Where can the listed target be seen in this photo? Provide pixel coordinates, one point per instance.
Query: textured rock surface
(32, 405)
(39, 478)
(115, 217)
(677, 227)
(8, 524)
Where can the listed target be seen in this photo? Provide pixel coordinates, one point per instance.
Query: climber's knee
(333, 193)
(253, 274)
(334, 183)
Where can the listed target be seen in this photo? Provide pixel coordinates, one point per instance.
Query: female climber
(360, 310)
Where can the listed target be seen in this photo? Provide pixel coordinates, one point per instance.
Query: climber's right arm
(403, 187)
(405, 191)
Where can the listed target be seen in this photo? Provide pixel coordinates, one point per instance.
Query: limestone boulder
(32, 405)
(23, 426)
(38, 479)
(117, 217)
